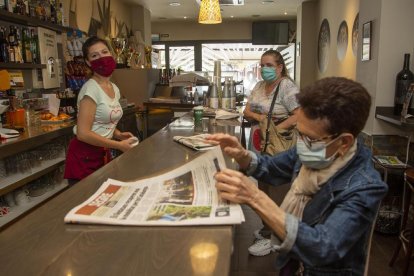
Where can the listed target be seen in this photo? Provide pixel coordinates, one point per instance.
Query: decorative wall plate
(342, 40)
(355, 35)
(324, 42)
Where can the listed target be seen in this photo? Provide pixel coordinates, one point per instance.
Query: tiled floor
(244, 264)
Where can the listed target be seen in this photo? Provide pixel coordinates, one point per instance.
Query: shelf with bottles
(31, 21)
(21, 66)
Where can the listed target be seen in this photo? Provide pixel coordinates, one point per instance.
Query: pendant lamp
(209, 12)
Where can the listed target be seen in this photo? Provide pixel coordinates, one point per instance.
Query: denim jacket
(332, 237)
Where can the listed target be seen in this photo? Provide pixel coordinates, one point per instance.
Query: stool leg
(408, 255)
(395, 255)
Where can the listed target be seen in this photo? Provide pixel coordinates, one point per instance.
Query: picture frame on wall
(366, 41)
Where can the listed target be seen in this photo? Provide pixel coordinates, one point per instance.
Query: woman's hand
(123, 135)
(125, 145)
(232, 147)
(236, 187)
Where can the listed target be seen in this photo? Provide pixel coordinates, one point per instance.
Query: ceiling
(161, 11)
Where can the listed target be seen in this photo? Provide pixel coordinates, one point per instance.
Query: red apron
(83, 159)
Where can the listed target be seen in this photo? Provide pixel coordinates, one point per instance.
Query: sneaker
(261, 247)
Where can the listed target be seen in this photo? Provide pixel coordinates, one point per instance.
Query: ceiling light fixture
(175, 4)
(209, 12)
(285, 13)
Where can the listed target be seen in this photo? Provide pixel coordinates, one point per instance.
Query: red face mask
(104, 66)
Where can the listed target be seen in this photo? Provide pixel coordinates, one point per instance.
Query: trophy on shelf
(119, 44)
(148, 52)
(133, 59)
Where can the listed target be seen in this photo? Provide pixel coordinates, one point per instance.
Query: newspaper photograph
(183, 196)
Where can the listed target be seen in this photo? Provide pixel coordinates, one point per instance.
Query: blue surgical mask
(314, 157)
(269, 74)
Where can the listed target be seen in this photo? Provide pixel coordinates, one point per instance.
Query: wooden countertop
(41, 243)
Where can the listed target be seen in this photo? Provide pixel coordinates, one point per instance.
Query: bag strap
(269, 117)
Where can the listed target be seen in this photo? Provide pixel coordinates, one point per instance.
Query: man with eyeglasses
(324, 223)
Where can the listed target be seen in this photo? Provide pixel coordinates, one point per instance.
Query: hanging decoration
(209, 12)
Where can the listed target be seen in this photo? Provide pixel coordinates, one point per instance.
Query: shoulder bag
(274, 139)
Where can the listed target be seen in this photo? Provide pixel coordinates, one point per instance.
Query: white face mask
(315, 157)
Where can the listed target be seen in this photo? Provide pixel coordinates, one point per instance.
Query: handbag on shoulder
(275, 139)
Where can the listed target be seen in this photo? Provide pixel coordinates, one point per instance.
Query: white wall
(310, 16)
(337, 11)
(393, 36)
(305, 36)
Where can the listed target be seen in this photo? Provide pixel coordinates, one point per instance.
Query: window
(182, 57)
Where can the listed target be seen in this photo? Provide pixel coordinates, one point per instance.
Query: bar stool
(406, 238)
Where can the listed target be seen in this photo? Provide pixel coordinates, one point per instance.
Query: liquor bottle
(53, 8)
(12, 44)
(26, 7)
(27, 54)
(59, 14)
(34, 46)
(404, 78)
(225, 98)
(19, 46)
(4, 45)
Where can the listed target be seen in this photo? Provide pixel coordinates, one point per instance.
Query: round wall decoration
(355, 35)
(342, 40)
(324, 42)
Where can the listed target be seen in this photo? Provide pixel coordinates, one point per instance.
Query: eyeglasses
(315, 144)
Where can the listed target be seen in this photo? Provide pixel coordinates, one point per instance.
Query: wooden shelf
(23, 66)
(9, 183)
(17, 211)
(31, 21)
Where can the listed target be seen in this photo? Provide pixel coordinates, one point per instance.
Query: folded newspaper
(390, 160)
(183, 196)
(196, 142)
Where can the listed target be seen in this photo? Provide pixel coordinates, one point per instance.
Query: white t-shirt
(108, 110)
(285, 100)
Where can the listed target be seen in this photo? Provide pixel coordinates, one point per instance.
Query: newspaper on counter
(196, 142)
(183, 196)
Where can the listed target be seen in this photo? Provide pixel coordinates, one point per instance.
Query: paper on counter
(225, 115)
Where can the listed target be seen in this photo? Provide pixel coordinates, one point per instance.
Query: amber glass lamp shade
(209, 12)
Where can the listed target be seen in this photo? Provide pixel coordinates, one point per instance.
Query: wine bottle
(4, 46)
(403, 80)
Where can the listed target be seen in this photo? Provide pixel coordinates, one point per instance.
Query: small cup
(21, 197)
(198, 113)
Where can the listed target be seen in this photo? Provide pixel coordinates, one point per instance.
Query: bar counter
(42, 244)
(34, 136)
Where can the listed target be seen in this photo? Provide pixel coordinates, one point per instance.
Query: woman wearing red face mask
(98, 114)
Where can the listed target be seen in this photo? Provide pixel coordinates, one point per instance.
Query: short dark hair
(278, 59)
(344, 103)
(90, 42)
